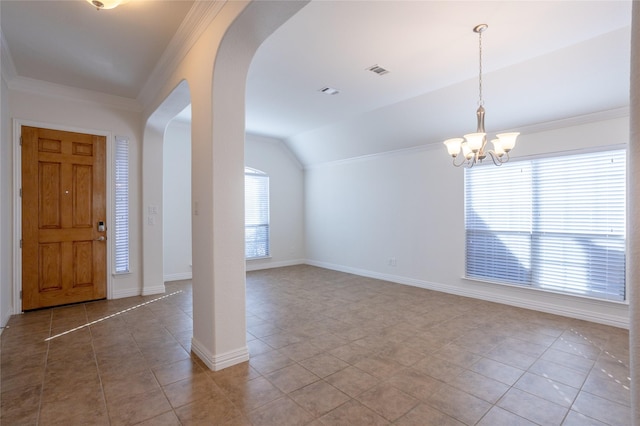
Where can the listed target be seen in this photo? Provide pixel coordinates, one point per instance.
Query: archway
(217, 101)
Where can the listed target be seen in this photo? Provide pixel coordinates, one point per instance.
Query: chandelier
(105, 4)
(473, 146)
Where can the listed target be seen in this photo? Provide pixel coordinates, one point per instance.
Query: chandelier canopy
(473, 146)
(105, 4)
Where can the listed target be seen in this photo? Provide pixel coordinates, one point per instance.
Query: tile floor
(327, 348)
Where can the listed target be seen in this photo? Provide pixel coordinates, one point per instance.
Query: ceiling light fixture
(473, 145)
(105, 4)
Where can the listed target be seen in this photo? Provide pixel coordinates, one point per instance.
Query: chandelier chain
(480, 100)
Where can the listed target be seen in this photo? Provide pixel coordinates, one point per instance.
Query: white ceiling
(543, 61)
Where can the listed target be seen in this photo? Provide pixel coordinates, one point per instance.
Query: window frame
(265, 217)
(121, 206)
(533, 283)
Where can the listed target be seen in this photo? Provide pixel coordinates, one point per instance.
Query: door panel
(63, 199)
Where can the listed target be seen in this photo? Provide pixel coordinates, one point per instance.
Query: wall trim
(178, 277)
(498, 297)
(4, 321)
(155, 289)
(201, 14)
(258, 265)
(534, 128)
(120, 294)
(17, 203)
(218, 362)
(59, 91)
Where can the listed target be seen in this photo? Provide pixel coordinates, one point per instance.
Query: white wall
(286, 199)
(50, 107)
(6, 217)
(408, 206)
(176, 200)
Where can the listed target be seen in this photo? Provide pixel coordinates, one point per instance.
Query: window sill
(545, 291)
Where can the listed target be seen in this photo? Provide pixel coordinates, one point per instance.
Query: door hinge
(20, 243)
(20, 140)
(20, 294)
(20, 192)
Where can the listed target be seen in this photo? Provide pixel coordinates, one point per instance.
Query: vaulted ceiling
(542, 61)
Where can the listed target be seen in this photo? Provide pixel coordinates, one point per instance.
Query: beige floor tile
(323, 364)
(499, 417)
(545, 388)
(559, 373)
(282, 411)
(532, 408)
(458, 404)
(173, 372)
(119, 384)
(497, 371)
(129, 410)
(291, 378)
(18, 407)
(213, 410)
(601, 409)
(425, 415)
(438, 368)
(352, 381)
(191, 389)
(353, 413)
(319, 398)
(350, 351)
(388, 402)
(249, 395)
(480, 386)
(414, 383)
(270, 361)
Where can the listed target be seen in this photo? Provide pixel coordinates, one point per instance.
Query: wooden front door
(63, 218)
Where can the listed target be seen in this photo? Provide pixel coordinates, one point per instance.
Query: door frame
(17, 201)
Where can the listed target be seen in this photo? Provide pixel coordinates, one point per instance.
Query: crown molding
(611, 114)
(39, 87)
(195, 23)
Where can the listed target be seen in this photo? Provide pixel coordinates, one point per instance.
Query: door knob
(101, 238)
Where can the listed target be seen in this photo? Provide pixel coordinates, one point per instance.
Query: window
(256, 213)
(121, 205)
(556, 224)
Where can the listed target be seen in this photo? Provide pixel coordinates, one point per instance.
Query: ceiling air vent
(329, 91)
(378, 70)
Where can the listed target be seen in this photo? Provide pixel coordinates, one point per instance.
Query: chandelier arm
(461, 163)
(498, 160)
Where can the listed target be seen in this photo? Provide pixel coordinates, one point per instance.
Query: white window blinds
(121, 205)
(554, 223)
(256, 202)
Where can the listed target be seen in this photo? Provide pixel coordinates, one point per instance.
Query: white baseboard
(259, 264)
(120, 294)
(523, 300)
(218, 362)
(4, 320)
(178, 277)
(156, 289)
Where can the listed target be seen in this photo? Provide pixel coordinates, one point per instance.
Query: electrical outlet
(392, 261)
